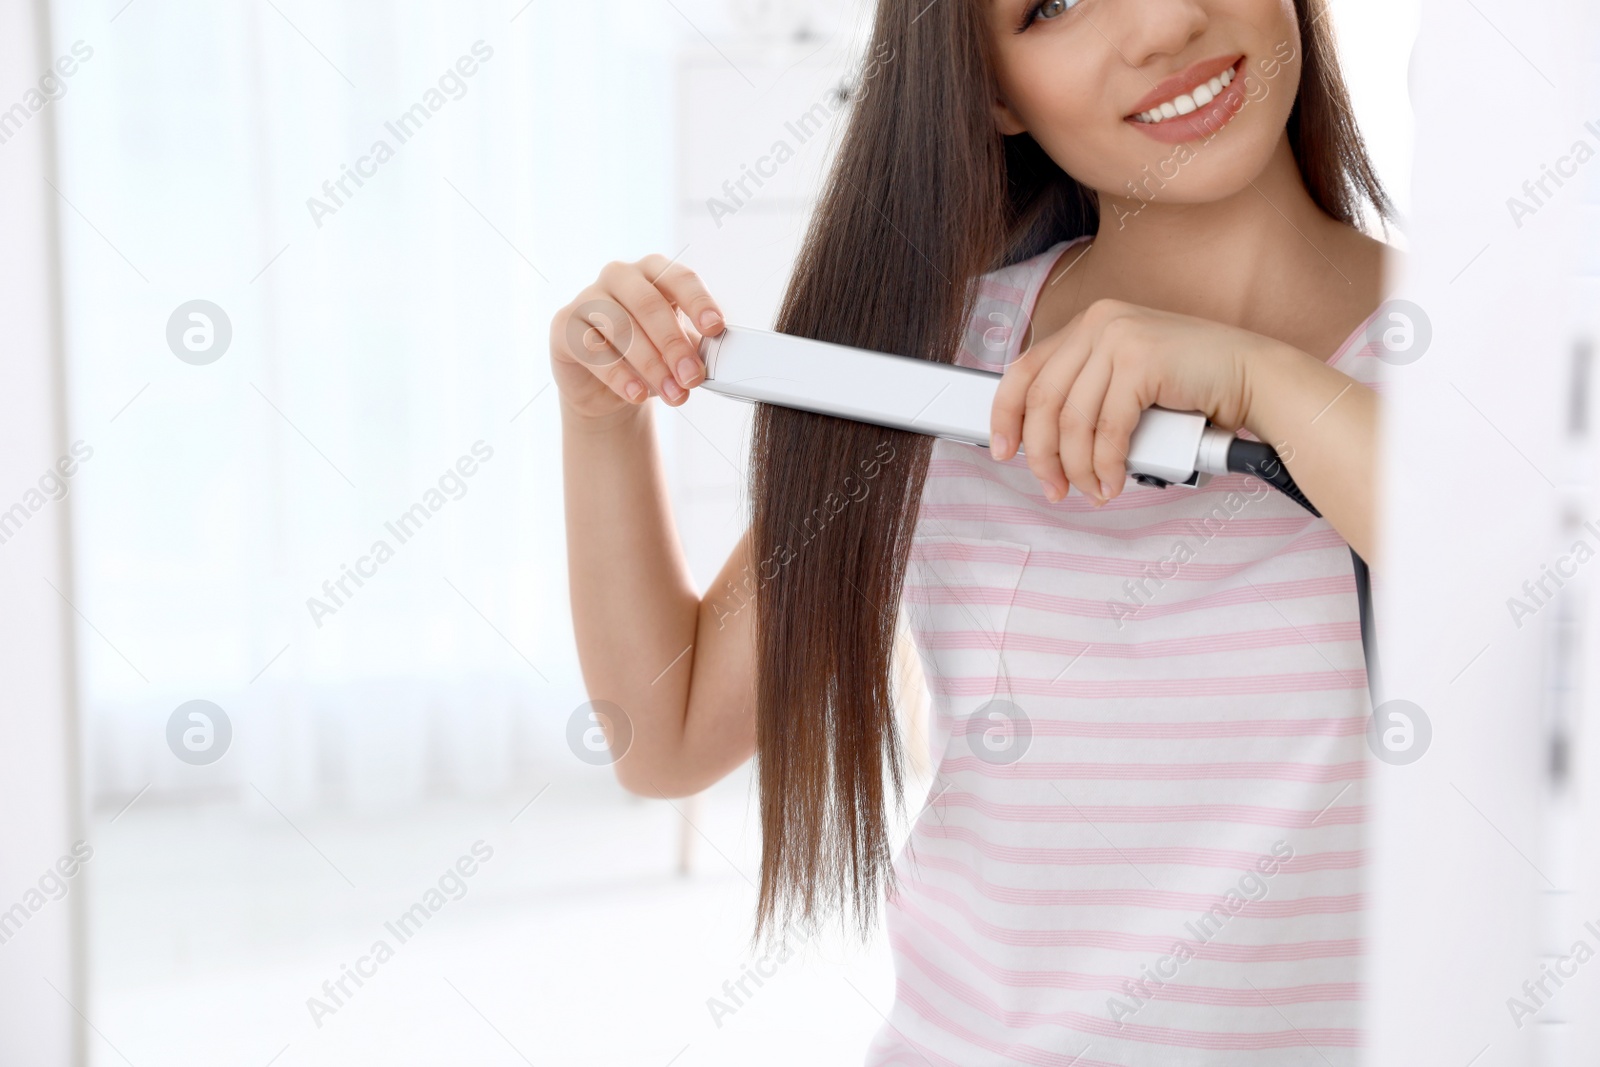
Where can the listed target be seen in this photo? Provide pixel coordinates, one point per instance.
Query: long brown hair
(923, 195)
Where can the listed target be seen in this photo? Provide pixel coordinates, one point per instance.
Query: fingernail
(671, 389)
(997, 445)
(635, 391)
(687, 369)
(1106, 488)
(709, 318)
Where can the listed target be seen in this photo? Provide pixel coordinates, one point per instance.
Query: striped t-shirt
(1144, 839)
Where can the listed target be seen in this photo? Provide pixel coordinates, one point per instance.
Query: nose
(1154, 29)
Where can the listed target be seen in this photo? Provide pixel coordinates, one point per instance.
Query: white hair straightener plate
(938, 399)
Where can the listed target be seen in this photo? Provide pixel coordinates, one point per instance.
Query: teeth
(1183, 104)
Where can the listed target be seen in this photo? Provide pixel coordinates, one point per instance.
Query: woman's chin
(1192, 172)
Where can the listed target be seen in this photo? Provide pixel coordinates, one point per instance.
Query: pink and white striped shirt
(1144, 839)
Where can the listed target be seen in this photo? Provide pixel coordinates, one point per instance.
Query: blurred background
(278, 337)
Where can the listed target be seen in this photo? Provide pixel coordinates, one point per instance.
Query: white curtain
(380, 332)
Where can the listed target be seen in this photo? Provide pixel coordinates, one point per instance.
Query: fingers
(1041, 427)
(1010, 396)
(631, 328)
(1063, 402)
(1078, 421)
(658, 339)
(683, 287)
(680, 290)
(595, 331)
(1120, 412)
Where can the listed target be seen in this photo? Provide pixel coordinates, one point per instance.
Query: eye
(1046, 9)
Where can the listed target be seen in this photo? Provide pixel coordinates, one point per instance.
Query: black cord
(1259, 460)
(1256, 458)
(1369, 645)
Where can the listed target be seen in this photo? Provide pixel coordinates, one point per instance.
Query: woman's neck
(1267, 259)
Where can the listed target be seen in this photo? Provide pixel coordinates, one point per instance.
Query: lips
(1184, 81)
(1186, 119)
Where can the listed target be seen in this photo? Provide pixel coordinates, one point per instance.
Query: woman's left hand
(1073, 398)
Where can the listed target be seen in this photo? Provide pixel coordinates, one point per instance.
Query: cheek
(1049, 95)
(1274, 29)
(1097, 150)
(1268, 21)
(1067, 112)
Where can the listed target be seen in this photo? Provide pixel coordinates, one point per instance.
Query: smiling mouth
(1190, 101)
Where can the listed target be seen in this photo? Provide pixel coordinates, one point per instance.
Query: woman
(1143, 843)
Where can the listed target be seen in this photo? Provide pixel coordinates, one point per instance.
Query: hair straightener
(943, 400)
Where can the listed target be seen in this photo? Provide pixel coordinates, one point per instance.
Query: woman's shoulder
(1005, 300)
(1373, 266)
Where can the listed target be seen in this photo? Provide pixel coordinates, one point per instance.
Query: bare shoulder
(1377, 265)
(1391, 262)
(1368, 267)
(1061, 296)
(1363, 258)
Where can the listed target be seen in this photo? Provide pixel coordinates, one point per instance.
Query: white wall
(1468, 892)
(41, 931)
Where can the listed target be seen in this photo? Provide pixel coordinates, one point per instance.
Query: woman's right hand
(613, 345)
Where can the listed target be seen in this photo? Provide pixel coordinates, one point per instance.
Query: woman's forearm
(634, 606)
(1324, 425)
